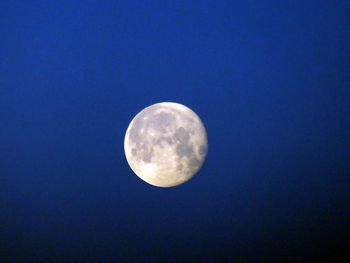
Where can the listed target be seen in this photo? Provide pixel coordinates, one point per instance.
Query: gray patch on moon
(147, 156)
(135, 129)
(147, 153)
(184, 149)
(143, 151)
(170, 140)
(203, 149)
(182, 135)
(179, 167)
(159, 142)
(194, 163)
(161, 121)
(163, 141)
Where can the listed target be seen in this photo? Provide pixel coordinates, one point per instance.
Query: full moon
(166, 144)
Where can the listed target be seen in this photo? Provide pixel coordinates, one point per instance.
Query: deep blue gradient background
(270, 81)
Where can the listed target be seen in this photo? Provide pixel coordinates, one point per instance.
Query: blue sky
(270, 81)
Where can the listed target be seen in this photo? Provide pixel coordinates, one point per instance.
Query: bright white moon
(166, 144)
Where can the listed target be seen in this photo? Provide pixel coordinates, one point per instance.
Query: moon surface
(166, 144)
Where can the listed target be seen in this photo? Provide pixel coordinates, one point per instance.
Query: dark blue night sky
(270, 81)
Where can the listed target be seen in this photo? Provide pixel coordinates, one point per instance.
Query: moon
(166, 144)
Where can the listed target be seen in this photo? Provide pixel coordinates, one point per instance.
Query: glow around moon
(166, 144)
